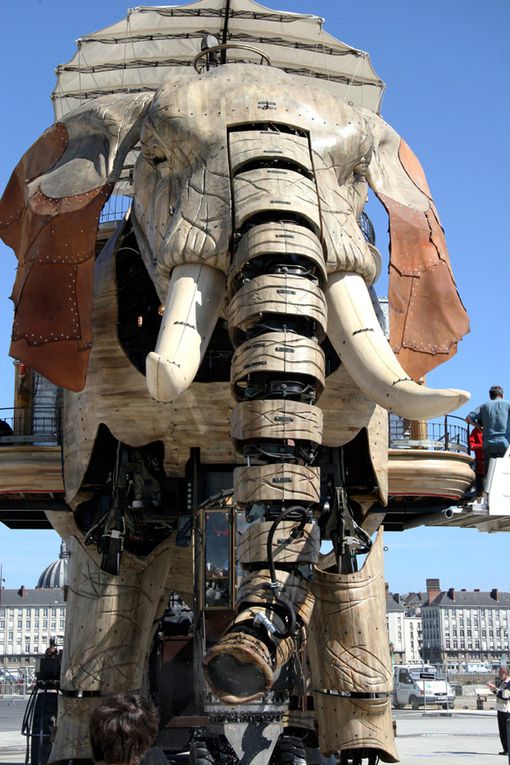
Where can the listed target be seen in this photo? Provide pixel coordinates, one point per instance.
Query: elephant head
(234, 164)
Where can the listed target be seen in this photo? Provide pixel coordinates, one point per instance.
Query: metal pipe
(224, 34)
(431, 519)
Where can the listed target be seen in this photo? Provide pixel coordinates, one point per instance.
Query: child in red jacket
(476, 446)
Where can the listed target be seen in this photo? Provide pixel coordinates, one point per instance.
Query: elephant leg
(109, 629)
(350, 661)
(277, 316)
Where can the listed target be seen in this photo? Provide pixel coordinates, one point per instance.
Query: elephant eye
(154, 155)
(157, 159)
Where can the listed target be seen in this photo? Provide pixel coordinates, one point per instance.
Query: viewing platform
(31, 478)
(429, 470)
(430, 473)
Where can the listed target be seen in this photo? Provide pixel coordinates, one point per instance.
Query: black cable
(274, 585)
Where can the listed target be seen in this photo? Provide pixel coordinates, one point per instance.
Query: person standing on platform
(493, 417)
(502, 691)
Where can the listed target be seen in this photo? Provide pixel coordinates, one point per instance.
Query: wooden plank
(349, 647)
(354, 724)
(278, 294)
(345, 409)
(349, 652)
(281, 240)
(278, 482)
(416, 472)
(274, 190)
(31, 469)
(276, 419)
(286, 549)
(282, 352)
(266, 145)
(254, 590)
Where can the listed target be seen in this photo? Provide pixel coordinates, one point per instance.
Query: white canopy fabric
(154, 42)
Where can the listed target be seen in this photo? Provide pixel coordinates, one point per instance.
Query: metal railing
(16, 688)
(449, 433)
(115, 209)
(21, 426)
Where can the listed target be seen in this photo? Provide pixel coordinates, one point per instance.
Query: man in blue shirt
(494, 419)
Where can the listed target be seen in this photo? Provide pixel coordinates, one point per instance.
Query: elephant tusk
(195, 298)
(359, 340)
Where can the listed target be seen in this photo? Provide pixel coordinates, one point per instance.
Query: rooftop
(471, 598)
(23, 597)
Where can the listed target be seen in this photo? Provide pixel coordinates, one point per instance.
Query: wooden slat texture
(279, 482)
(278, 239)
(279, 294)
(349, 648)
(116, 394)
(274, 191)
(254, 590)
(245, 649)
(276, 419)
(286, 549)
(109, 627)
(421, 473)
(251, 145)
(31, 469)
(346, 723)
(278, 352)
(73, 725)
(284, 648)
(377, 432)
(345, 409)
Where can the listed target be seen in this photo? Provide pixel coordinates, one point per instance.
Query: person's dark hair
(122, 728)
(496, 392)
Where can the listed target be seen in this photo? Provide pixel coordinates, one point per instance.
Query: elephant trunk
(277, 316)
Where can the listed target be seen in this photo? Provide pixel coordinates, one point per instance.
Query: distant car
(419, 686)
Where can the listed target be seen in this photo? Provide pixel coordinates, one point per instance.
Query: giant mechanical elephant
(247, 194)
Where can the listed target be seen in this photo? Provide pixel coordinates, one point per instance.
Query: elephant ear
(49, 215)
(427, 317)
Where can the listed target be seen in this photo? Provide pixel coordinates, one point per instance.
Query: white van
(418, 685)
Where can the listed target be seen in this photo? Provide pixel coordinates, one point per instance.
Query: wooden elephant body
(235, 296)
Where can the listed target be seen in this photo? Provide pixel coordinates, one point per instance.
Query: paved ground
(465, 736)
(12, 743)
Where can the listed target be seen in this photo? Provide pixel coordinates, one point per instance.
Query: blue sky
(446, 66)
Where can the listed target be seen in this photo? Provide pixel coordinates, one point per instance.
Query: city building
(395, 612)
(404, 629)
(412, 638)
(29, 618)
(465, 627)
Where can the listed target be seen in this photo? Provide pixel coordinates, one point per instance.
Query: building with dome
(55, 575)
(30, 617)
